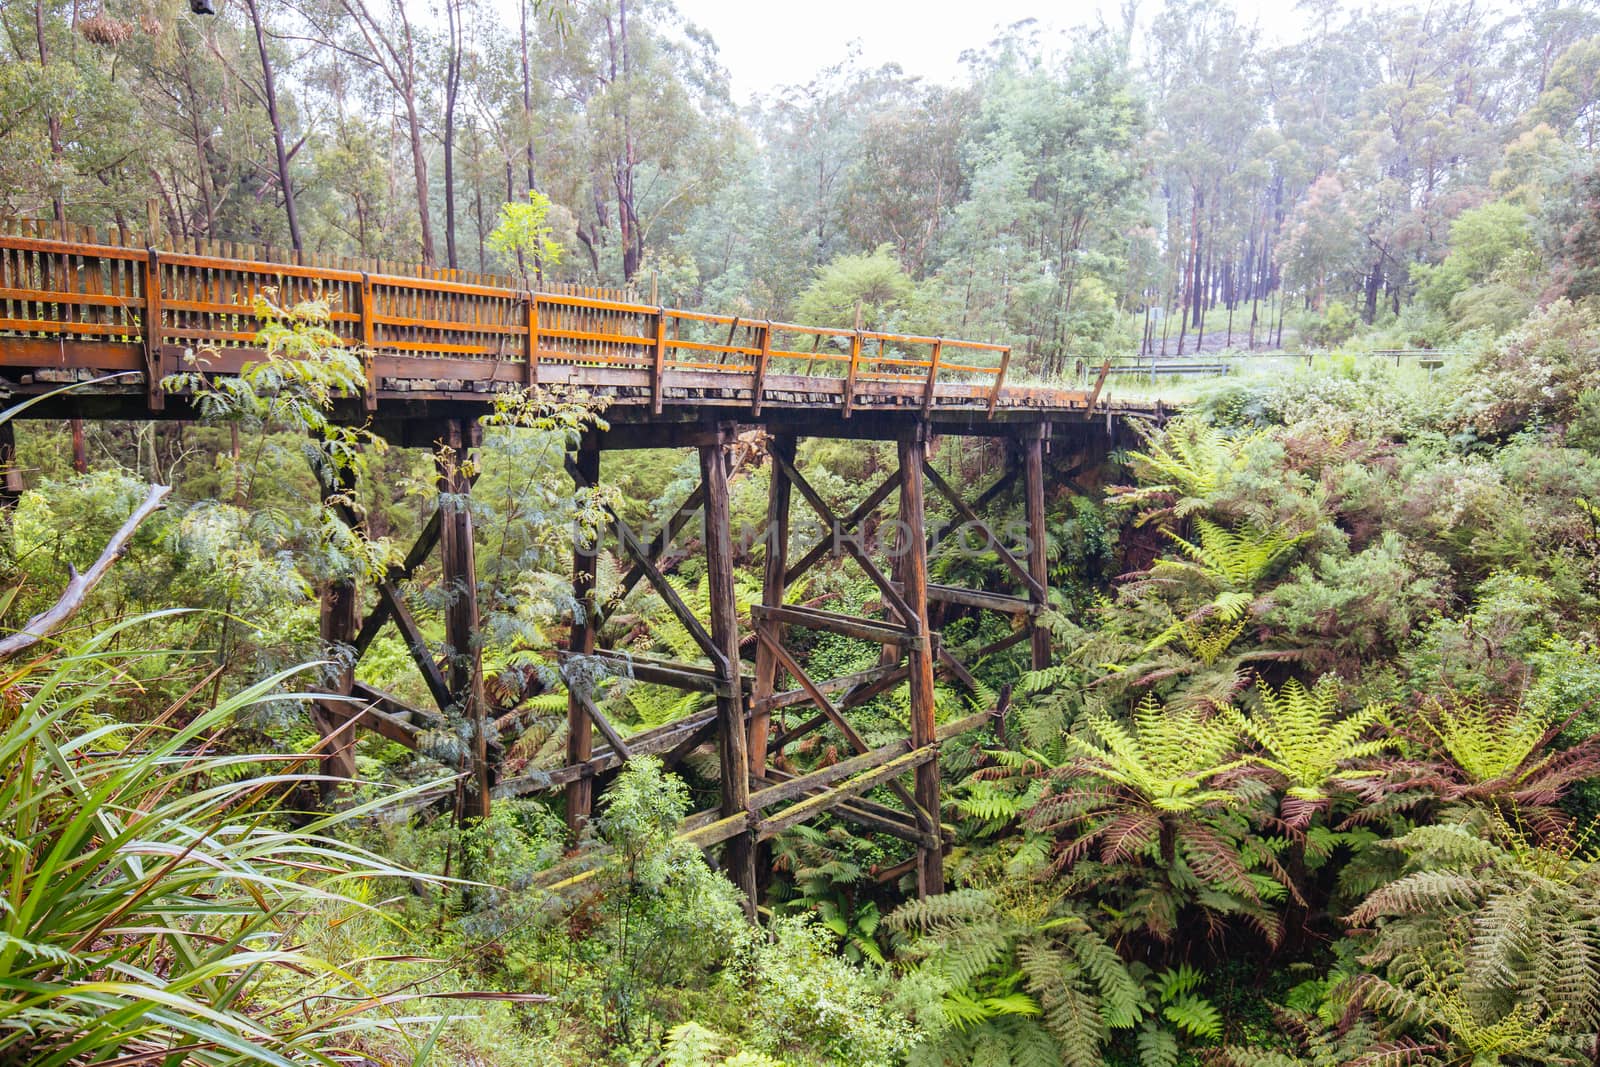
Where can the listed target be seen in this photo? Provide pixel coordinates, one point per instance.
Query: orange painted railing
(55, 289)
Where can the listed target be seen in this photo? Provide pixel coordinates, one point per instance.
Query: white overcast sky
(768, 43)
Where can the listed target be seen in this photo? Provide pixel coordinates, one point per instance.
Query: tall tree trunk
(452, 90)
(270, 95)
(52, 120)
(527, 102)
(1369, 310)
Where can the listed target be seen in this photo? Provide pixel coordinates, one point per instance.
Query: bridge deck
(71, 311)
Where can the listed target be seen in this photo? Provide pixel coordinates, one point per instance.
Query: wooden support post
(11, 484)
(150, 332)
(1038, 563)
(658, 362)
(999, 380)
(80, 450)
(855, 363)
(914, 576)
(772, 590)
(759, 386)
(465, 675)
(731, 741)
(340, 617)
(368, 333)
(580, 728)
(530, 354)
(933, 375)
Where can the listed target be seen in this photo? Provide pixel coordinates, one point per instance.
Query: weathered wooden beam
(613, 738)
(1016, 566)
(460, 577)
(1038, 561)
(772, 590)
(733, 756)
(150, 332)
(340, 610)
(977, 598)
(932, 386)
(644, 743)
(845, 682)
(1006, 479)
(878, 818)
(663, 540)
(669, 595)
(758, 387)
(394, 606)
(881, 633)
(857, 514)
(657, 671)
(886, 588)
(585, 470)
(914, 573)
(1015, 637)
(706, 829)
(787, 661)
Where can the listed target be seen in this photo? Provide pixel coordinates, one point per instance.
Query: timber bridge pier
(437, 350)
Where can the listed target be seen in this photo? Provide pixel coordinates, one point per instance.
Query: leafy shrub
(153, 902)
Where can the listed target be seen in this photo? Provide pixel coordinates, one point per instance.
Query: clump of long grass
(151, 891)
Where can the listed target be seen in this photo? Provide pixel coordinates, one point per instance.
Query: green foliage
(668, 919)
(1489, 941)
(1184, 468)
(875, 282)
(1304, 736)
(807, 1005)
(153, 899)
(524, 234)
(1018, 967)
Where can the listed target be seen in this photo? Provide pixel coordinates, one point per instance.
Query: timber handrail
(177, 300)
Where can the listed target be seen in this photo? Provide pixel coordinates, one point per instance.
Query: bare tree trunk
(452, 90)
(270, 96)
(52, 120)
(527, 102)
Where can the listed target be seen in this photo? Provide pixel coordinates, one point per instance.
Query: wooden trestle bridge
(436, 353)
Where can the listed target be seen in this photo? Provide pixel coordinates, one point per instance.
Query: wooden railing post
(933, 375)
(155, 396)
(368, 333)
(658, 362)
(850, 376)
(531, 354)
(999, 379)
(759, 386)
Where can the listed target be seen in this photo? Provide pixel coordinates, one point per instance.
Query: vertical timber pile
(1038, 563)
(772, 590)
(340, 619)
(913, 559)
(731, 741)
(465, 677)
(11, 484)
(580, 731)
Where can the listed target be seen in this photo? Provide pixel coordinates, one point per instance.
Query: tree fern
(1304, 736)
(1184, 467)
